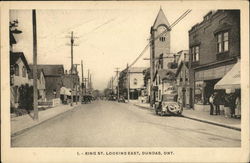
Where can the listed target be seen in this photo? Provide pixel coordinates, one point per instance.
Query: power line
(152, 39)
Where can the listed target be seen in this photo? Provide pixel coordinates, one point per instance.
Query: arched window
(162, 39)
(16, 69)
(24, 71)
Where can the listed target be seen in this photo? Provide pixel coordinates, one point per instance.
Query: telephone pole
(128, 80)
(85, 85)
(112, 84)
(34, 65)
(82, 85)
(72, 44)
(117, 75)
(90, 83)
(88, 80)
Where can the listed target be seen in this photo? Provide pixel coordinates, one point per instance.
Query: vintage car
(168, 103)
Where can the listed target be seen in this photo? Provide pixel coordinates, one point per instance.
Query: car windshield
(169, 97)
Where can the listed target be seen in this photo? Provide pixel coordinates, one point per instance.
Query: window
(135, 81)
(195, 51)
(162, 39)
(16, 69)
(222, 42)
(24, 72)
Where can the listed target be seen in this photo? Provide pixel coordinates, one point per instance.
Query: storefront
(205, 81)
(231, 85)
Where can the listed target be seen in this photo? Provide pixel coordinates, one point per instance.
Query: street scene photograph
(125, 76)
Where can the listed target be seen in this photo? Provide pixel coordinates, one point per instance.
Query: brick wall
(204, 36)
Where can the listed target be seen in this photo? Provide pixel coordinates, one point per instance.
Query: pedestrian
(217, 103)
(238, 106)
(232, 105)
(211, 102)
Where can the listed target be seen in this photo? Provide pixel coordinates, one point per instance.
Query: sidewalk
(202, 116)
(22, 123)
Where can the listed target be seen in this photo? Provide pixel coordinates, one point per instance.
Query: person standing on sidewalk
(238, 106)
(211, 102)
(217, 103)
(232, 105)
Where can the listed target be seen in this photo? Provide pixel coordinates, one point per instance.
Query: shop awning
(231, 80)
(65, 91)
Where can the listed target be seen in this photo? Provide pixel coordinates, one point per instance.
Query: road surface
(113, 124)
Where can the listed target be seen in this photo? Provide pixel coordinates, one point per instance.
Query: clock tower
(160, 46)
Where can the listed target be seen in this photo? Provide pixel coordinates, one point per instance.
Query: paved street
(112, 124)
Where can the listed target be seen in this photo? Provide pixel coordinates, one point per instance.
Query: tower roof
(161, 19)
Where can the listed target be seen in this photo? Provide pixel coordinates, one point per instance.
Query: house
(214, 47)
(136, 81)
(132, 79)
(72, 82)
(41, 85)
(182, 79)
(19, 70)
(53, 75)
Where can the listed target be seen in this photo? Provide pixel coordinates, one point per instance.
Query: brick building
(214, 48)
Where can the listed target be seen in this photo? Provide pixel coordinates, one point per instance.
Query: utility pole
(82, 85)
(128, 80)
(117, 75)
(85, 85)
(112, 83)
(34, 66)
(72, 64)
(90, 83)
(88, 80)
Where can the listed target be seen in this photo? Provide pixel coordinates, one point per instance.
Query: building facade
(19, 70)
(160, 56)
(53, 75)
(41, 85)
(214, 48)
(132, 81)
(183, 79)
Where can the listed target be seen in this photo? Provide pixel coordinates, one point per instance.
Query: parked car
(86, 99)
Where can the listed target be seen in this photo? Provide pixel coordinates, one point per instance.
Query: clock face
(161, 29)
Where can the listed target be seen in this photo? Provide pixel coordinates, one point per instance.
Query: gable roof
(161, 19)
(165, 73)
(39, 71)
(180, 66)
(14, 56)
(51, 70)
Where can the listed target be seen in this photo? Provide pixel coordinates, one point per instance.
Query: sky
(106, 37)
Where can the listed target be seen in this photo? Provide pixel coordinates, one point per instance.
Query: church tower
(160, 46)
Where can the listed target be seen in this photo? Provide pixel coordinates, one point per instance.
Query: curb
(213, 123)
(200, 120)
(39, 123)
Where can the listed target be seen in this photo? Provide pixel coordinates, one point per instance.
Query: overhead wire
(152, 39)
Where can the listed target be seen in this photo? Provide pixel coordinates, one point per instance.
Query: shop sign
(213, 73)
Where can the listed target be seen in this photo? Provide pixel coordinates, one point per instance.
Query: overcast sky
(107, 37)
